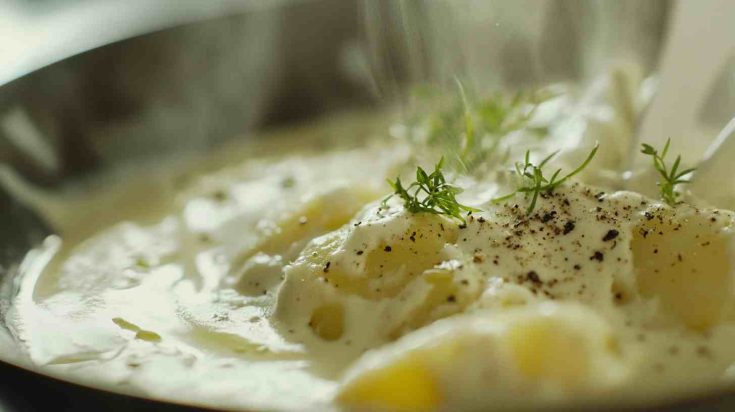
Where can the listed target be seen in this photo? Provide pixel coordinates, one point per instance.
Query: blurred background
(91, 85)
(86, 84)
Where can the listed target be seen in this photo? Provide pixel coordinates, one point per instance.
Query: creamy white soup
(280, 275)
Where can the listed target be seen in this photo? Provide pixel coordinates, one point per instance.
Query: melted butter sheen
(281, 283)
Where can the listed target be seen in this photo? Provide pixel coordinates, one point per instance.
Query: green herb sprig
(471, 130)
(533, 181)
(430, 193)
(670, 177)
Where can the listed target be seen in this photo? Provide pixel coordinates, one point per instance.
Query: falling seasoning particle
(598, 256)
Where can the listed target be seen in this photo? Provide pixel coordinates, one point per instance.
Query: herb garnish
(672, 177)
(534, 182)
(471, 130)
(430, 193)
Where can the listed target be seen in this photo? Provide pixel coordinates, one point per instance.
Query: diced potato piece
(684, 262)
(447, 295)
(318, 215)
(549, 352)
(377, 260)
(260, 267)
(541, 352)
(400, 269)
(406, 385)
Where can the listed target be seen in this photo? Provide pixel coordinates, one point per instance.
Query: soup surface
(277, 275)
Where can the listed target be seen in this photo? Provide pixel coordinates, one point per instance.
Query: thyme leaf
(430, 193)
(669, 177)
(471, 130)
(534, 182)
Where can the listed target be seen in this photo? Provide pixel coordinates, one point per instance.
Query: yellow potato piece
(319, 215)
(405, 385)
(398, 267)
(396, 260)
(684, 262)
(544, 349)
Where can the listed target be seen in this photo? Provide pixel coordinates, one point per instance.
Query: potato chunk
(316, 216)
(280, 240)
(386, 274)
(406, 385)
(544, 352)
(377, 261)
(683, 260)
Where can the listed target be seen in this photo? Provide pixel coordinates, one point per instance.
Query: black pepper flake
(577, 267)
(326, 267)
(413, 237)
(451, 298)
(533, 277)
(481, 219)
(360, 252)
(568, 227)
(548, 216)
(388, 249)
(610, 235)
(598, 256)
(648, 215)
